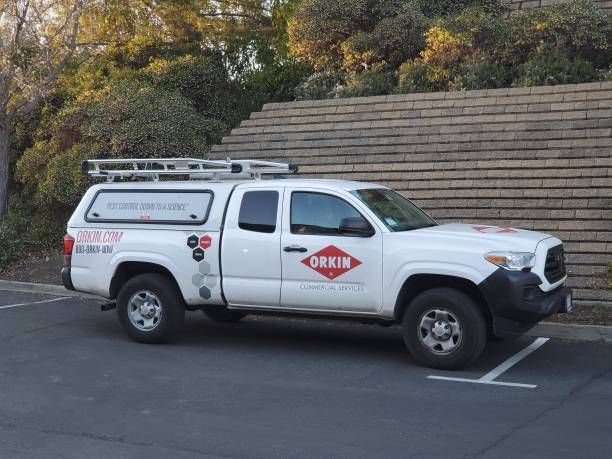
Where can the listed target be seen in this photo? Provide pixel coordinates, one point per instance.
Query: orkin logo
(331, 262)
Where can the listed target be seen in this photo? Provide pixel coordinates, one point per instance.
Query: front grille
(554, 269)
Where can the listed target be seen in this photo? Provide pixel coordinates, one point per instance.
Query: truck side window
(318, 213)
(258, 211)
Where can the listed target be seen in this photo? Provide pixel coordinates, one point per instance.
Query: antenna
(153, 168)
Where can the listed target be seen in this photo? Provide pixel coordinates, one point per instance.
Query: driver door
(322, 267)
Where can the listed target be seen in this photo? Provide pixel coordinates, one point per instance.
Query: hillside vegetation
(169, 78)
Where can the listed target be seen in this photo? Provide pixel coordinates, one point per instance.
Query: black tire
(167, 327)
(462, 314)
(222, 314)
(491, 338)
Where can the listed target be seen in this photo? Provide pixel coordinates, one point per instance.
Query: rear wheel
(444, 328)
(150, 309)
(222, 314)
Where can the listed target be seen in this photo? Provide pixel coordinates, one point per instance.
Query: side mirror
(356, 226)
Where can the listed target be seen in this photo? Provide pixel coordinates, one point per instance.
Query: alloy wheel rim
(144, 310)
(440, 331)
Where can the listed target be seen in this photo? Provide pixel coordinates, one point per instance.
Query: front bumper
(517, 303)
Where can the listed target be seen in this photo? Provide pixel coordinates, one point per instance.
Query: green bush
(436, 8)
(318, 86)
(578, 28)
(450, 45)
(416, 76)
(10, 241)
(486, 30)
(276, 82)
(201, 79)
(124, 119)
(555, 68)
(136, 119)
(355, 34)
(368, 83)
(440, 61)
(480, 73)
(399, 37)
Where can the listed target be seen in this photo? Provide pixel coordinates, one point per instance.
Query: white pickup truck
(230, 245)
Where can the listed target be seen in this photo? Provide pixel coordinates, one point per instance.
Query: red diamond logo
(205, 242)
(331, 262)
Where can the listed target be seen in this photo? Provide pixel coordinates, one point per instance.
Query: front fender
(404, 272)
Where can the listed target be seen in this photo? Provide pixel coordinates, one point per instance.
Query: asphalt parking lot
(72, 385)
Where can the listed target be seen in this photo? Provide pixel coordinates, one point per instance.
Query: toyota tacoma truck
(160, 237)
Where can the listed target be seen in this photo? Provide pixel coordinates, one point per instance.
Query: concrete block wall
(605, 5)
(536, 158)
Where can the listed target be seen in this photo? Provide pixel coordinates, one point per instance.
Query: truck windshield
(395, 211)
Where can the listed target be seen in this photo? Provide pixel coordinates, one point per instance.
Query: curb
(593, 303)
(44, 289)
(572, 332)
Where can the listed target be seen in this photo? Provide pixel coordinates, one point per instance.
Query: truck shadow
(345, 339)
(288, 338)
(314, 336)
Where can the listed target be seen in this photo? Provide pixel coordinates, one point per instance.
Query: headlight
(514, 261)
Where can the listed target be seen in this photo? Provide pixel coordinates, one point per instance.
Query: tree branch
(30, 101)
(21, 20)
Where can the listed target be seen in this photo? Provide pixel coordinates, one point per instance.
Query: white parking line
(505, 366)
(489, 378)
(479, 381)
(33, 302)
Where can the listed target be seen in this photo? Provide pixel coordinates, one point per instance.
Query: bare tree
(37, 40)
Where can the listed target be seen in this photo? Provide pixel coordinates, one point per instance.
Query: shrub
(578, 28)
(273, 83)
(48, 228)
(356, 34)
(480, 72)
(125, 119)
(318, 27)
(437, 8)
(359, 52)
(418, 76)
(486, 30)
(64, 183)
(555, 68)
(445, 48)
(10, 241)
(436, 45)
(400, 36)
(368, 83)
(140, 120)
(444, 52)
(201, 79)
(318, 86)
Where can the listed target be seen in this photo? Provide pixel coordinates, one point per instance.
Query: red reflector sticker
(331, 262)
(494, 229)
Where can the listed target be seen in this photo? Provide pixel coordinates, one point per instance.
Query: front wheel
(150, 309)
(444, 328)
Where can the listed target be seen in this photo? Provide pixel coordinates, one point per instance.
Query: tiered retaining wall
(605, 5)
(536, 158)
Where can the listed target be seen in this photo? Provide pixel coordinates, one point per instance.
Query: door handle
(295, 248)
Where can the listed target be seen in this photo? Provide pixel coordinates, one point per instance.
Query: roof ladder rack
(153, 168)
